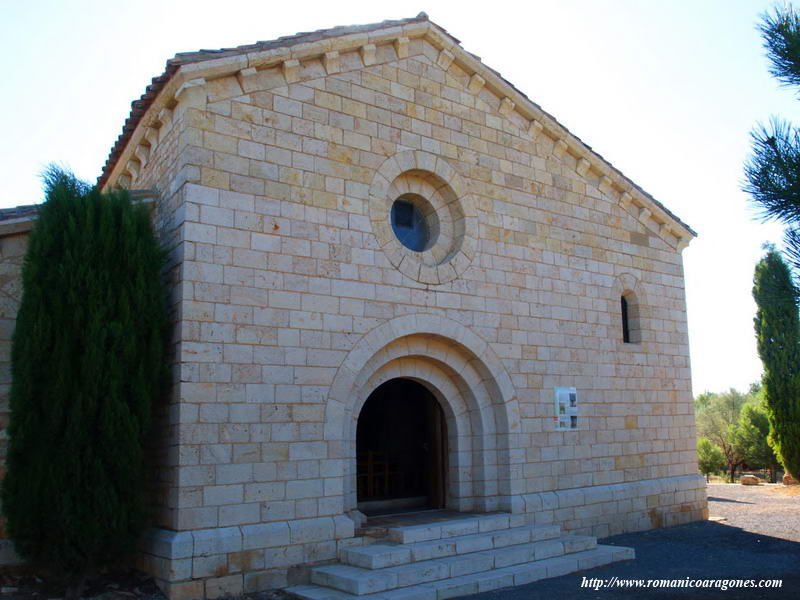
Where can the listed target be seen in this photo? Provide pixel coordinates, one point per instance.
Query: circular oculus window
(423, 218)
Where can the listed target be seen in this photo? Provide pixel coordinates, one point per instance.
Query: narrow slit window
(626, 331)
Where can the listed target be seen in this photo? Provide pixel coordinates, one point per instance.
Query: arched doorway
(401, 449)
(473, 389)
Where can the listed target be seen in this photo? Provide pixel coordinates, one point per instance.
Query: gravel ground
(771, 509)
(26, 584)
(758, 539)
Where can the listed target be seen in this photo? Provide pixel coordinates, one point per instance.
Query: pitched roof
(218, 62)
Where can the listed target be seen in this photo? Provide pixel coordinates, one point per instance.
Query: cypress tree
(87, 363)
(778, 337)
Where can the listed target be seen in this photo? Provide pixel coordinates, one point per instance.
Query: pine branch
(772, 172)
(781, 32)
(791, 239)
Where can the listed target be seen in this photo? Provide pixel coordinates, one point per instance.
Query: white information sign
(566, 416)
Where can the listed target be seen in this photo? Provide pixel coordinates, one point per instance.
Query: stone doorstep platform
(442, 558)
(378, 526)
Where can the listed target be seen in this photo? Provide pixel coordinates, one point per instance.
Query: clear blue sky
(668, 91)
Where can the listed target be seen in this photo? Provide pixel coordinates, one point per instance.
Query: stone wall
(278, 197)
(12, 252)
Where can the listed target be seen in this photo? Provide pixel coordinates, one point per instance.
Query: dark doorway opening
(401, 448)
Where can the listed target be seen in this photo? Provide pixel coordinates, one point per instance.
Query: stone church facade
(396, 283)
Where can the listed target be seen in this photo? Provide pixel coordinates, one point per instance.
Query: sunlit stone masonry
(397, 285)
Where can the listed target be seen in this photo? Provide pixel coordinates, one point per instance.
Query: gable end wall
(281, 274)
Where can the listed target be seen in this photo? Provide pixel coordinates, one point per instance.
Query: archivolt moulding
(469, 382)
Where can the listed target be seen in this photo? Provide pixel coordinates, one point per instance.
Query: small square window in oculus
(410, 226)
(403, 214)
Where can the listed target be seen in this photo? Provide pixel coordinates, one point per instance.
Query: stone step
(379, 556)
(452, 528)
(474, 583)
(360, 581)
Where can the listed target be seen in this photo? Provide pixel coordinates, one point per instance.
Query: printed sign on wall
(566, 416)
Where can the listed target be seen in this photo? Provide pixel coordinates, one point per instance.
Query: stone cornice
(612, 183)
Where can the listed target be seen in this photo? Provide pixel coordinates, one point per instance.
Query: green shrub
(753, 432)
(710, 459)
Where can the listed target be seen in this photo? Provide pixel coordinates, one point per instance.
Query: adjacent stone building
(398, 283)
